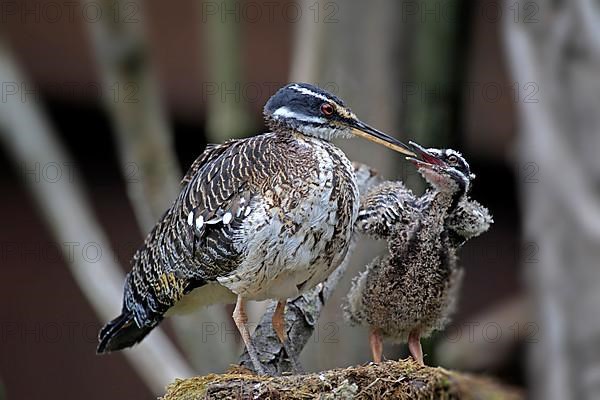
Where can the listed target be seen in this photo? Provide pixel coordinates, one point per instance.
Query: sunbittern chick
(266, 217)
(413, 290)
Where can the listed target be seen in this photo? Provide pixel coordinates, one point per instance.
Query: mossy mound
(388, 380)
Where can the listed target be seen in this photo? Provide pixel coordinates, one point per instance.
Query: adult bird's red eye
(327, 109)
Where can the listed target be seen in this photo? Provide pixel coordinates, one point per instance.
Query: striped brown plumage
(175, 258)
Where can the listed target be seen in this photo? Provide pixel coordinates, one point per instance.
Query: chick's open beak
(423, 158)
(363, 130)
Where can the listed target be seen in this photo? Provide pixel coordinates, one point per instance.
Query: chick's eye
(327, 109)
(452, 159)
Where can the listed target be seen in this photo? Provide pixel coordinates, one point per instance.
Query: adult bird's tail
(120, 333)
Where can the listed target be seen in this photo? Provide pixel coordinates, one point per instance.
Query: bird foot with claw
(256, 364)
(296, 366)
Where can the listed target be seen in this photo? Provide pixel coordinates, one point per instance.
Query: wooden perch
(388, 380)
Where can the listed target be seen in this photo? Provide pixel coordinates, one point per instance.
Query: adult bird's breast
(298, 231)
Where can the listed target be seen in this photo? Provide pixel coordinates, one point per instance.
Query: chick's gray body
(415, 287)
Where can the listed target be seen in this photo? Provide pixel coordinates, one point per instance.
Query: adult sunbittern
(266, 217)
(413, 290)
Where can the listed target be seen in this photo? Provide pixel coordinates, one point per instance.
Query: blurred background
(104, 104)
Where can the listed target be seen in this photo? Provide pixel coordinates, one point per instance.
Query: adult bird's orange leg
(278, 322)
(414, 346)
(376, 341)
(241, 319)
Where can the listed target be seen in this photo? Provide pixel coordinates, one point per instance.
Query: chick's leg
(414, 346)
(376, 342)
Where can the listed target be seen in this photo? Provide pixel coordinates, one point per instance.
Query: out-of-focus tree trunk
(145, 142)
(431, 90)
(226, 116)
(29, 139)
(554, 48)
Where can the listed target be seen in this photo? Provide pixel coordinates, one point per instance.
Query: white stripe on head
(287, 113)
(435, 152)
(452, 151)
(309, 92)
(341, 110)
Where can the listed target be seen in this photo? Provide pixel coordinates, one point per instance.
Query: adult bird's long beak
(363, 130)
